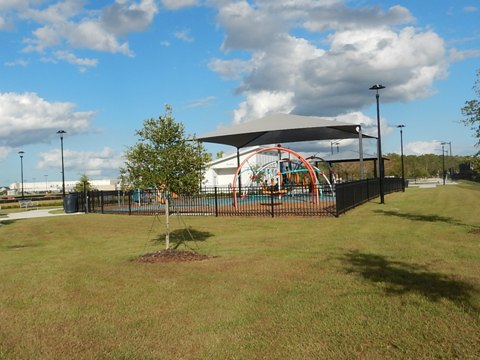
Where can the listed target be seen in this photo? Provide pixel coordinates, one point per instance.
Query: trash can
(70, 203)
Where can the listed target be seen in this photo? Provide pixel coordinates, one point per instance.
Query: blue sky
(97, 69)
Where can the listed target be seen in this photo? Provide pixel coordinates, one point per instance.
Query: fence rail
(218, 201)
(352, 194)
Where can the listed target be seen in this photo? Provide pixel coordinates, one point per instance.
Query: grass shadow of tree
(422, 217)
(401, 278)
(183, 237)
(7, 222)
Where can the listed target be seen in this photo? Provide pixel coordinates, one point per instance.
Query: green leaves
(471, 111)
(163, 157)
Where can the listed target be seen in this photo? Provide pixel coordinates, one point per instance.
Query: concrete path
(34, 214)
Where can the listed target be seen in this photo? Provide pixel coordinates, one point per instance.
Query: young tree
(164, 159)
(471, 111)
(83, 184)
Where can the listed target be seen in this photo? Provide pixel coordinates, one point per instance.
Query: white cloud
(184, 35)
(423, 147)
(258, 104)
(72, 59)
(55, 13)
(18, 62)
(92, 35)
(68, 24)
(456, 56)
(177, 4)
(103, 163)
(329, 72)
(4, 23)
(339, 17)
(28, 119)
(230, 69)
(4, 151)
(125, 16)
(201, 103)
(246, 28)
(470, 9)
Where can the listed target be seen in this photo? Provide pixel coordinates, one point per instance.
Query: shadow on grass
(183, 237)
(425, 218)
(6, 222)
(20, 246)
(402, 278)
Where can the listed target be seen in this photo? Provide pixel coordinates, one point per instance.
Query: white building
(221, 171)
(56, 186)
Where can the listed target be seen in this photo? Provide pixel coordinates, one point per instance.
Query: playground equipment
(276, 176)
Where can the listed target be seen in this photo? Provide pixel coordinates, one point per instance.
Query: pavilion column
(240, 174)
(360, 151)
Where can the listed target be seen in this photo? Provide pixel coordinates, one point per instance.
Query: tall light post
(443, 161)
(334, 143)
(381, 171)
(21, 168)
(46, 183)
(449, 154)
(401, 152)
(61, 132)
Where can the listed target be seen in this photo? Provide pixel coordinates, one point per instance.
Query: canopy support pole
(360, 151)
(239, 175)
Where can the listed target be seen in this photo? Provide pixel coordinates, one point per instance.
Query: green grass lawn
(393, 281)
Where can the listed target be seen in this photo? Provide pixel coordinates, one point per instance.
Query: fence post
(338, 199)
(130, 194)
(368, 190)
(271, 201)
(101, 200)
(216, 203)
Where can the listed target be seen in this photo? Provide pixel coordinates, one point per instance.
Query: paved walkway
(35, 214)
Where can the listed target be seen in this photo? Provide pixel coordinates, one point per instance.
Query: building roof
(349, 155)
(282, 128)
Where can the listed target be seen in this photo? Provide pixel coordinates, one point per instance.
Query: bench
(28, 204)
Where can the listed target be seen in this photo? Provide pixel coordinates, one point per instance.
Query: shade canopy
(349, 156)
(282, 128)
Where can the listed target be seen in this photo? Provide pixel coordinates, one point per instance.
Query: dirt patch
(172, 255)
(475, 231)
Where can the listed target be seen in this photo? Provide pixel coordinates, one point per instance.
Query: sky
(98, 68)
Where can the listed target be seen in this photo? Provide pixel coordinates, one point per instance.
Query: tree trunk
(167, 223)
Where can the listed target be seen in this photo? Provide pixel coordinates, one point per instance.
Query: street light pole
(61, 132)
(381, 171)
(401, 152)
(334, 143)
(443, 160)
(21, 168)
(449, 161)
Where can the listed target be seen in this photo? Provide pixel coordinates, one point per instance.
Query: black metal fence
(351, 194)
(219, 201)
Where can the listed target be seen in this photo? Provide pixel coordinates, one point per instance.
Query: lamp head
(377, 87)
(400, 126)
(21, 153)
(61, 132)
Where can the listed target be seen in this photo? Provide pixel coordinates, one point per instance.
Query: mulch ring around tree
(173, 255)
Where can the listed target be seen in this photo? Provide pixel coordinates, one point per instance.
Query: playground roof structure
(283, 128)
(349, 156)
(353, 156)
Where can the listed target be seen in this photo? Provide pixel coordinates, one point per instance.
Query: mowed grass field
(393, 281)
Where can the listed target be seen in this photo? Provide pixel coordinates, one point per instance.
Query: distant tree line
(416, 167)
